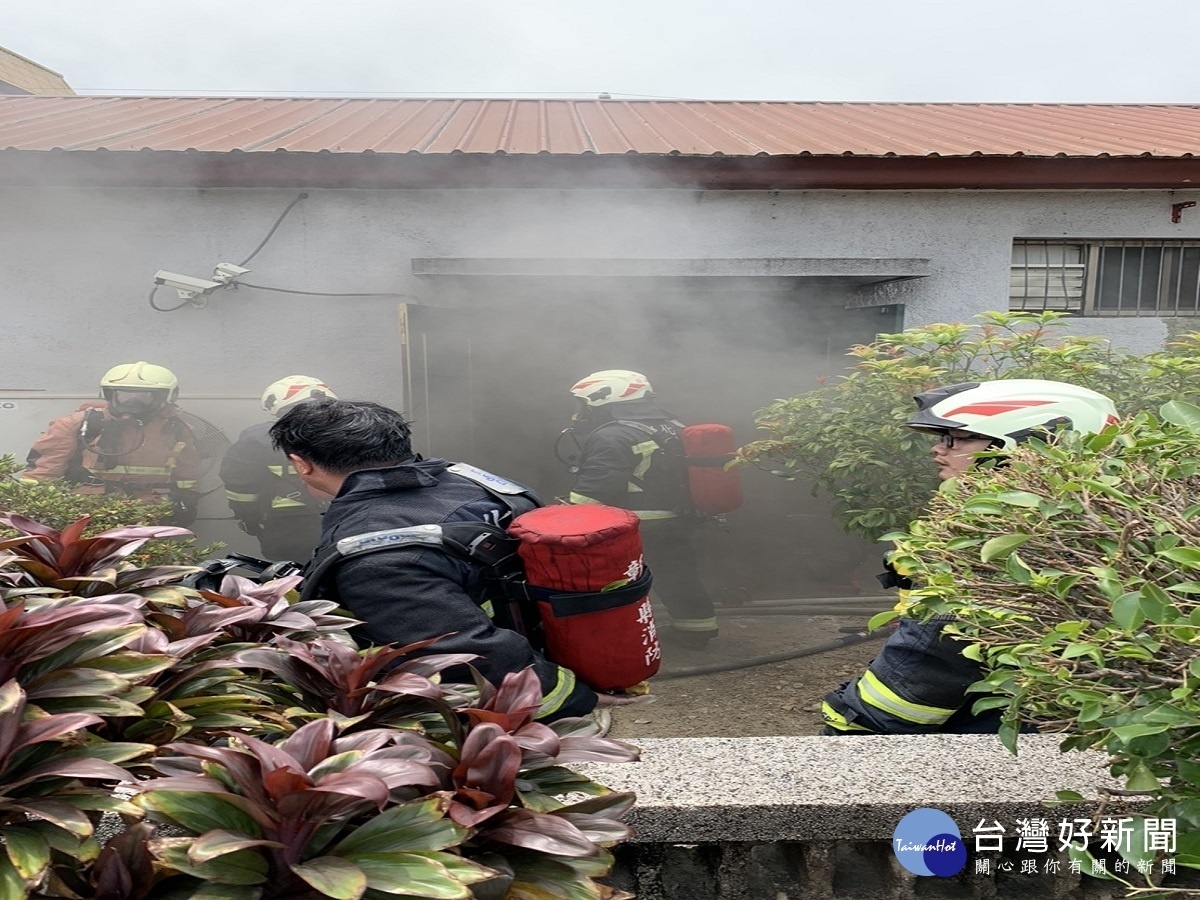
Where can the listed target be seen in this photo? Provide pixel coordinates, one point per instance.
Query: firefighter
(360, 454)
(132, 442)
(266, 495)
(918, 682)
(631, 456)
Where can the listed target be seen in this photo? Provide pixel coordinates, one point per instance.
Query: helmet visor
(130, 403)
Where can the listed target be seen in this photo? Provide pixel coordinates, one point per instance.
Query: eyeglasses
(948, 440)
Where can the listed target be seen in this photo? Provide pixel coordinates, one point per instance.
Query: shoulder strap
(476, 542)
(518, 498)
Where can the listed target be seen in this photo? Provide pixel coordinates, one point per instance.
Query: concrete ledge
(711, 790)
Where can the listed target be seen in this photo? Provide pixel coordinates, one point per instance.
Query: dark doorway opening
(489, 366)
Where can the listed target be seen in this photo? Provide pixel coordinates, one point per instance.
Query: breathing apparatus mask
(134, 404)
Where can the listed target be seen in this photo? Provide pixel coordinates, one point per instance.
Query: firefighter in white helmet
(918, 682)
(132, 442)
(267, 498)
(631, 456)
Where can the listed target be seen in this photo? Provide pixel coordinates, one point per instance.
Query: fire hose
(848, 640)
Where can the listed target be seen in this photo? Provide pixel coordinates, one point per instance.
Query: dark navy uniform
(410, 594)
(917, 684)
(636, 462)
(269, 499)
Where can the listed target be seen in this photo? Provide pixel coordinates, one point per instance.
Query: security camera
(187, 286)
(227, 272)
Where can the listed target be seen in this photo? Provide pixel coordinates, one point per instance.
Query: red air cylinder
(584, 566)
(714, 489)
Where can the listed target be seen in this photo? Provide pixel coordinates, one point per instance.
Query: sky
(835, 50)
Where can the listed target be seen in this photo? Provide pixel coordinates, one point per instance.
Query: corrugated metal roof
(611, 127)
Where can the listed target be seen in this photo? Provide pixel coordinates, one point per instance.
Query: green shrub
(56, 505)
(1074, 569)
(846, 438)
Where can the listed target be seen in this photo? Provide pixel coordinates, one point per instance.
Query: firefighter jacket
(412, 594)
(260, 482)
(635, 462)
(103, 454)
(917, 684)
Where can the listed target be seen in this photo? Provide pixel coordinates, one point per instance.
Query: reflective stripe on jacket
(260, 482)
(161, 454)
(635, 462)
(917, 684)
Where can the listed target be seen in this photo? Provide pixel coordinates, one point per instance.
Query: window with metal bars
(1106, 277)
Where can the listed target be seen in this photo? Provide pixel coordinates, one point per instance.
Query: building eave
(194, 169)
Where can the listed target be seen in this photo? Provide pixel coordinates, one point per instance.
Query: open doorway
(487, 378)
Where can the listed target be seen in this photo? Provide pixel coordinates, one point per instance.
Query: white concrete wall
(78, 266)
(78, 263)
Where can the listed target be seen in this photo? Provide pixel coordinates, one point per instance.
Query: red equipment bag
(715, 490)
(583, 565)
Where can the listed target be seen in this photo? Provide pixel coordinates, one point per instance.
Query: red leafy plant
(398, 783)
(360, 689)
(66, 562)
(512, 787)
(51, 778)
(266, 611)
(505, 774)
(315, 814)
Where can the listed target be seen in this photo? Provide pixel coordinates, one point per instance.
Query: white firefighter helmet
(138, 387)
(611, 386)
(287, 392)
(1012, 410)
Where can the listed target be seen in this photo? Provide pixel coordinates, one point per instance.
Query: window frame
(1167, 302)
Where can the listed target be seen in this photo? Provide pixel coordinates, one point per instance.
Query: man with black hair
(360, 455)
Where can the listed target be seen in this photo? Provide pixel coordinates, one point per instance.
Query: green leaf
(882, 618)
(983, 508)
(411, 875)
(1000, 547)
(1018, 498)
(1181, 413)
(198, 811)
(1127, 611)
(1086, 860)
(12, 886)
(1128, 732)
(1186, 556)
(333, 877)
(216, 843)
(242, 867)
(1140, 778)
(1185, 587)
(28, 850)
(1188, 771)
(421, 825)
(1155, 604)
(1015, 568)
(1170, 715)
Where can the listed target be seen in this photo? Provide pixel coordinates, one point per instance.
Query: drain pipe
(849, 640)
